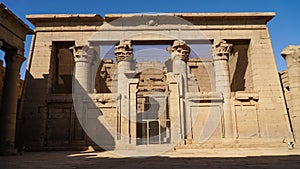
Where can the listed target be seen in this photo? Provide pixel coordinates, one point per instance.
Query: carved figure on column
(123, 51)
(221, 50)
(179, 50)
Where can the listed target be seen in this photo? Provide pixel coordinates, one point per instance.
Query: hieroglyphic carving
(179, 50)
(123, 51)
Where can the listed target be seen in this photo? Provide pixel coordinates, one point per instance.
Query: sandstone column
(291, 54)
(221, 51)
(83, 56)
(123, 53)
(180, 52)
(8, 115)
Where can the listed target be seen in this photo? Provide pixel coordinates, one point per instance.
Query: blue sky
(284, 28)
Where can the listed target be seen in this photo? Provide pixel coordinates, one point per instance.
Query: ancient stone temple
(291, 86)
(99, 80)
(12, 36)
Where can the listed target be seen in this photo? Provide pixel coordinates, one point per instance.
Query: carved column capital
(292, 51)
(179, 50)
(13, 60)
(82, 53)
(221, 50)
(123, 51)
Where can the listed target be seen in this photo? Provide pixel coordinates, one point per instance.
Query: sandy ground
(184, 158)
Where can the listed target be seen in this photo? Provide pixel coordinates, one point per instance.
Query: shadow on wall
(239, 69)
(48, 120)
(91, 118)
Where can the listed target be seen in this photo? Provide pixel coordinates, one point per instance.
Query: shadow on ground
(68, 160)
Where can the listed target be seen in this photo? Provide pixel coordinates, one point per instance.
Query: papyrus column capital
(221, 50)
(83, 53)
(123, 51)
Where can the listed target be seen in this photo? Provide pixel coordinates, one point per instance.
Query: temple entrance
(153, 124)
(153, 132)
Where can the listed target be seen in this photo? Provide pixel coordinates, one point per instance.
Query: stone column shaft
(291, 55)
(220, 57)
(83, 56)
(180, 52)
(82, 82)
(10, 102)
(222, 77)
(180, 68)
(123, 53)
(123, 91)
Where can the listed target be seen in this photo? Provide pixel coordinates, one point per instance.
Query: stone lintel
(252, 18)
(19, 28)
(13, 31)
(64, 19)
(238, 17)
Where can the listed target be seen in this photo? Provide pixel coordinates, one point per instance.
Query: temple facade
(96, 80)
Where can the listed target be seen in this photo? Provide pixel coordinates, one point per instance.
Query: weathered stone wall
(202, 69)
(291, 86)
(45, 111)
(251, 108)
(271, 111)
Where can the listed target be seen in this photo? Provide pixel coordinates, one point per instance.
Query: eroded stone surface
(291, 85)
(12, 34)
(123, 51)
(236, 89)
